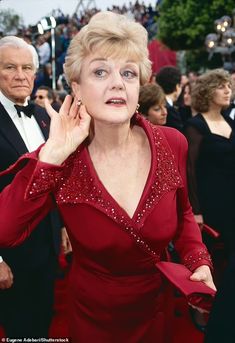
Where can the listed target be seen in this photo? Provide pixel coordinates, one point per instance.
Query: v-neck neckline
(146, 185)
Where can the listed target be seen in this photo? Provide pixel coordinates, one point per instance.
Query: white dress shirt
(232, 112)
(28, 127)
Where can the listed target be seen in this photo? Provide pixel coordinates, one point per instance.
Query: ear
(76, 89)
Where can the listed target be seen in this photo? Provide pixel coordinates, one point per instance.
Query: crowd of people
(67, 27)
(123, 169)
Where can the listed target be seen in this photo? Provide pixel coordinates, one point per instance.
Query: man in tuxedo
(169, 78)
(27, 272)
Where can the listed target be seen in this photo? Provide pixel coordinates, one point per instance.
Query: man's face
(40, 96)
(17, 73)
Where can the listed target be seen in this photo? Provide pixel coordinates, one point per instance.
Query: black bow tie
(27, 110)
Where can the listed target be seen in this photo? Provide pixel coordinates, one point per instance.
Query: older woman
(153, 103)
(121, 190)
(211, 175)
(211, 164)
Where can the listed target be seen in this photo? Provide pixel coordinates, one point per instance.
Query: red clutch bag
(196, 292)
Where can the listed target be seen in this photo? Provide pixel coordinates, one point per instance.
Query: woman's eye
(100, 72)
(129, 74)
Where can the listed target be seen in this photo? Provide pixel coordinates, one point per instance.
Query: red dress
(116, 293)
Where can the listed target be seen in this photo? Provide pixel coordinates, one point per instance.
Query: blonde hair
(114, 35)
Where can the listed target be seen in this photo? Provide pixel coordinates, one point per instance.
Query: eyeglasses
(39, 97)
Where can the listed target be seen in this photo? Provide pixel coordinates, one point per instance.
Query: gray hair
(20, 43)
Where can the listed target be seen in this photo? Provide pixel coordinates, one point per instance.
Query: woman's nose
(164, 110)
(117, 81)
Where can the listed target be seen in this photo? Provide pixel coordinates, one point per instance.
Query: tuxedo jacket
(174, 118)
(44, 242)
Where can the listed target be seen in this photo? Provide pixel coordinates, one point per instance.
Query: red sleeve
(188, 243)
(20, 211)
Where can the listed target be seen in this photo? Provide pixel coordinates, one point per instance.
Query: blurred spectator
(60, 96)
(185, 103)
(44, 77)
(184, 80)
(44, 92)
(211, 168)
(230, 111)
(62, 84)
(211, 162)
(43, 49)
(169, 78)
(192, 76)
(153, 103)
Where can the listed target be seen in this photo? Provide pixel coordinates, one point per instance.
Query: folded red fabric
(196, 292)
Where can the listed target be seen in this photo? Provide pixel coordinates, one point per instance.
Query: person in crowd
(27, 272)
(184, 80)
(192, 76)
(211, 161)
(211, 166)
(169, 78)
(44, 92)
(230, 110)
(120, 185)
(185, 103)
(43, 77)
(43, 49)
(60, 96)
(153, 103)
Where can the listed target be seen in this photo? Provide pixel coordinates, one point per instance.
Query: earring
(79, 102)
(137, 108)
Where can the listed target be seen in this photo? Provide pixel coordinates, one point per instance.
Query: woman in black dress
(211, 160)
(211, 177)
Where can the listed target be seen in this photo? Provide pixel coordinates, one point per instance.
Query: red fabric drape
(160, 55)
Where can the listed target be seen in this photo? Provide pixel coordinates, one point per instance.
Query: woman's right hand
(68, 129)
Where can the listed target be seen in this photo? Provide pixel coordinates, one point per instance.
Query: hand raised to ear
(68, 129)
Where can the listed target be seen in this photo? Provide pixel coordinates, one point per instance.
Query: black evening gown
(211, 176)
(211, 172)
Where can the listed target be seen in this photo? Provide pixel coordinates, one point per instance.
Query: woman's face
(187, 96)
(222, 95)
(157, 114)
(109, 88)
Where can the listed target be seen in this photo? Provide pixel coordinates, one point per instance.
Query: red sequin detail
(75, 185)
(80, 187)
(192, 260)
